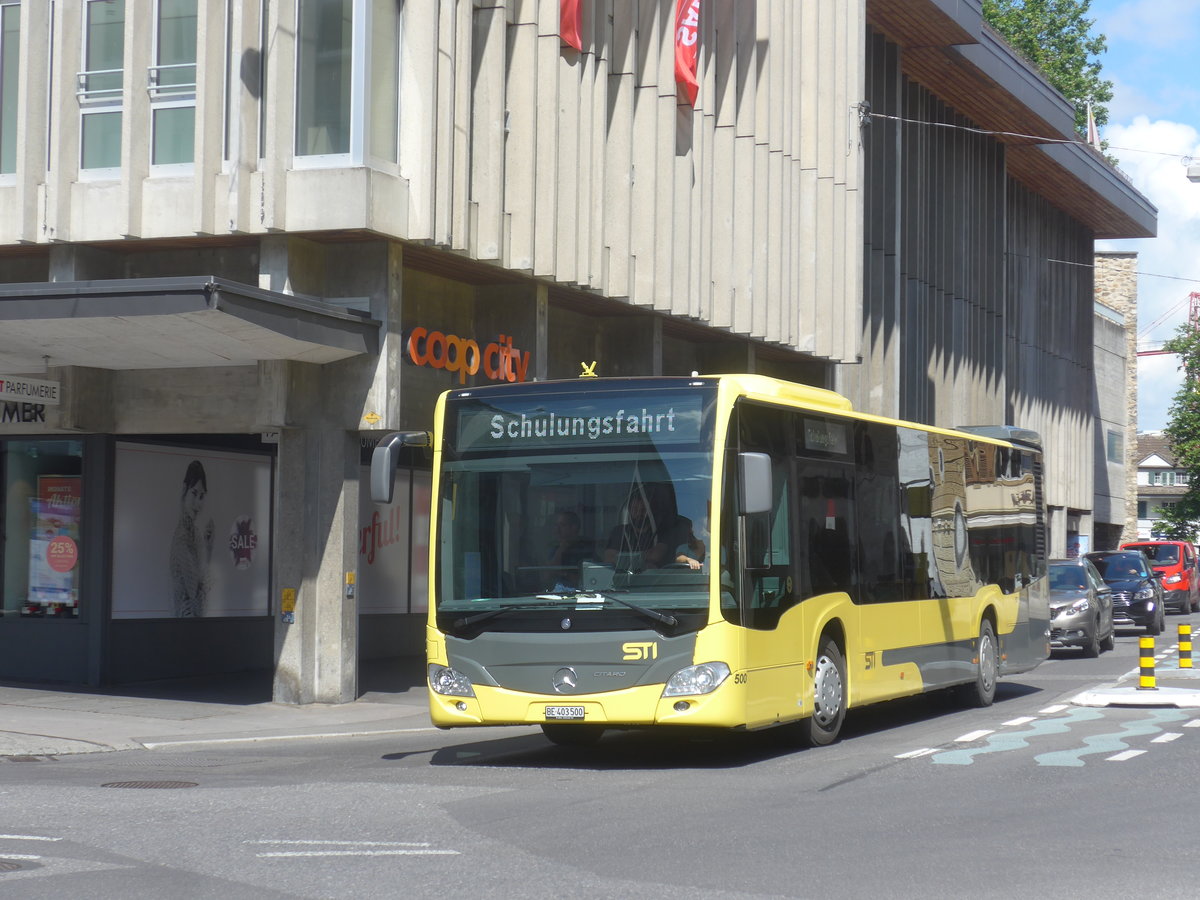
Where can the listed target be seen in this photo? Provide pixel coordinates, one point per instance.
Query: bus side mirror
(754, 488)
(385, 458)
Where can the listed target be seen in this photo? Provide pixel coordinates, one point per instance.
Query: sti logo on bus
(635, 650)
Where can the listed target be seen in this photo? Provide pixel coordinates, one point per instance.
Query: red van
(1175, 564)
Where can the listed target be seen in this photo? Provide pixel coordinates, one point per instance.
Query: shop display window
(43, 490)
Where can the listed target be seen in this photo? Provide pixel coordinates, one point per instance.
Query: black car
(1137, 594)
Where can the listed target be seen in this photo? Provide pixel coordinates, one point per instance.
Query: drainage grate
(150, 784)
(7, 865)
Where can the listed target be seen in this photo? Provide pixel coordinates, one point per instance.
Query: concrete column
(1056, 527)
(542, 348)
(315, 554)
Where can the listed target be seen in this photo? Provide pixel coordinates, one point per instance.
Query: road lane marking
(1023, 720)
(349, 848)
(1167, 737)
(27, 837)
(973, 736)
(306, 843)
(323, 853)
(913, 754)
(264, 738)
(1050, 710)
(1128, 754)
(1195, 723)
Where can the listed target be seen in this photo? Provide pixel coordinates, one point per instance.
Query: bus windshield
(592, 507)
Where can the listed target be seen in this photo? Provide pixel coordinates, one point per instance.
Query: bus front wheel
(982, 691)
(829, 696)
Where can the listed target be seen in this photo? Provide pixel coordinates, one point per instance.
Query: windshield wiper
(475, 618)
(598, 595)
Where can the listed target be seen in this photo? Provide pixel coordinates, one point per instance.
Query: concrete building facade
(241, 239)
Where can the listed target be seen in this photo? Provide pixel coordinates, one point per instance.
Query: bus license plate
(564, 712)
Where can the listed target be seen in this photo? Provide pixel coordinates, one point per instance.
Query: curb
(1180, 698)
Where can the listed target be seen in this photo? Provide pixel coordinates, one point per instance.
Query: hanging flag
(1093, 133)
(687, 43)
(570, 13)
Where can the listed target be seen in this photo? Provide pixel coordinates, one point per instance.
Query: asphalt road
(920, 799)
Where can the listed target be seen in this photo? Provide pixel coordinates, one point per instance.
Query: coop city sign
(499, 360)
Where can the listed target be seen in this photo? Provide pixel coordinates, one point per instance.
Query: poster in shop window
(393, 548)
(191, 533)
(54, 546)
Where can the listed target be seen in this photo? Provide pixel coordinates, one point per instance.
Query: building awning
(158, 323)
(949, 49)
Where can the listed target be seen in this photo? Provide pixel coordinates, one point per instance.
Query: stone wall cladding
(1116, 288)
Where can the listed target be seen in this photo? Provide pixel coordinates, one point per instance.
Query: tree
(1056, 37)
(1181, 521)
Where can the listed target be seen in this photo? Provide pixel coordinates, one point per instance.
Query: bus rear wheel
(572, 735)
(829, 696)
(982, 691)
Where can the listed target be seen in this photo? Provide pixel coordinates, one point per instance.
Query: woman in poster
(191, 547)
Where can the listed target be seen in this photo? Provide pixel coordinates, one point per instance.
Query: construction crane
(1193, 302)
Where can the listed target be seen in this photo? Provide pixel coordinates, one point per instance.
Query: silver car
(1081, 609)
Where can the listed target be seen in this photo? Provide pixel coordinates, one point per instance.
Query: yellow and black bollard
(1185, 646)
(1146, 662)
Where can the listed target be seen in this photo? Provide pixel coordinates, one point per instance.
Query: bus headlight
(448, 681)
(702, 679)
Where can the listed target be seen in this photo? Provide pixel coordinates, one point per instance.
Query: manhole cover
(150, 784)
(7, 865)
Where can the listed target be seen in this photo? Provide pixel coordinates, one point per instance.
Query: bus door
(773, 626)
(891, 480)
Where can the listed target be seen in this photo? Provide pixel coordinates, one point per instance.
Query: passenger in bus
(569, 548)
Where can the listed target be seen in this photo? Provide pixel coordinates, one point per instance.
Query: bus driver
(658, 547)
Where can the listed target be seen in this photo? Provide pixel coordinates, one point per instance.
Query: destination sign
(570, 422)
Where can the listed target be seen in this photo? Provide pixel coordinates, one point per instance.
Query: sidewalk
(45, 720)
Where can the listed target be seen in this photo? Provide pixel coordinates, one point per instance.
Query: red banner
(569, 15)
(687, 43)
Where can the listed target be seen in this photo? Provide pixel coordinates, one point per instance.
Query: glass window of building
(347, 81)
(10, 33)
(43, 490)
(1115, 447)
(172, 83)
(101, 84)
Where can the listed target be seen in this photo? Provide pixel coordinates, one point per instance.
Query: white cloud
(1159, 24)
(1170, 263)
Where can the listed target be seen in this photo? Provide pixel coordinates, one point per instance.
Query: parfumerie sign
(26, 390)
(538, 425)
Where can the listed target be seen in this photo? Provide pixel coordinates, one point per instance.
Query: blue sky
(1152, 130)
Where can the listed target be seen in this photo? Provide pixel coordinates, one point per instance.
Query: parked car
(1137, 594)
(1175, 564)
(1081, 607)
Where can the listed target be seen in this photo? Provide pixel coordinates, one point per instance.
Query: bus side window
(827, 525)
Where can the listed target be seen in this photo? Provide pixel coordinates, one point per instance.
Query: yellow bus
(729, 551)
